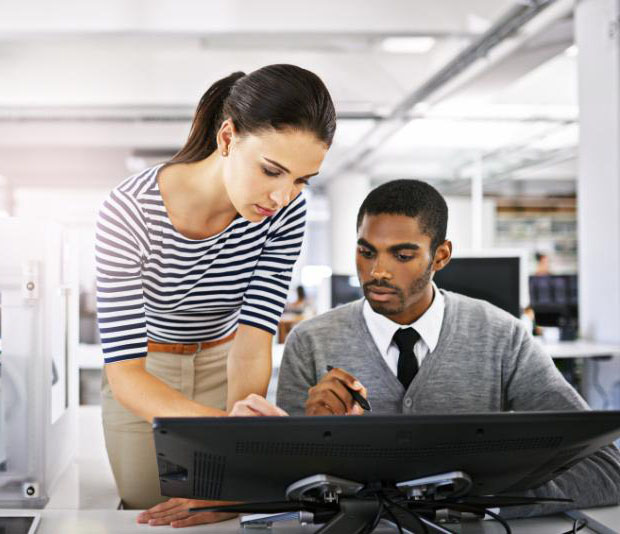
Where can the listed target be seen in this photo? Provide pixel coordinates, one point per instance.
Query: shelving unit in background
(547, 225)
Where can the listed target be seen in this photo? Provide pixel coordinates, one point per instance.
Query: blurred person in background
(301, 305)
(542, 265)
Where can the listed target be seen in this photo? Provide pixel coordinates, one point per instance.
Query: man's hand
(174, 512)
(254, 405)
(330, 396)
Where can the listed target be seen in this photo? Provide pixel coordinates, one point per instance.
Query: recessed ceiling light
(421, 108)
(571, 51)
(407, 45)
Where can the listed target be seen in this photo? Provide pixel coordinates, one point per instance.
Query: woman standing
(194, 261)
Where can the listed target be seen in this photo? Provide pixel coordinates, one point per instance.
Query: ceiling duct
(515, 19)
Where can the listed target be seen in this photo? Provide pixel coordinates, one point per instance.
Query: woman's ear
(225, 137)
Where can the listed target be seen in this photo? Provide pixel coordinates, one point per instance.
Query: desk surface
(89, 356)
(580, 349)
(124, 522)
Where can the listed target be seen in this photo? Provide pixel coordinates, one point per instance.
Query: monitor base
(360, 509)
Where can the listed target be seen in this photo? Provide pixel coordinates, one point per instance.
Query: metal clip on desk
(356, 508)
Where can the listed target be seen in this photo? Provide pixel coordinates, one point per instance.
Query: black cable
(578, 525)
(413, 514)
(469, 508)
(378, 517)
(500, 519)
(392, 516)
(372, 526)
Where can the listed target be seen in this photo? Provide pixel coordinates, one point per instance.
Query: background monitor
(554, 299)
(18, 522)
(497, 279)
(345, 289)
(257, 458)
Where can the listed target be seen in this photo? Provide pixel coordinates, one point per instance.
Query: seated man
(419, 350)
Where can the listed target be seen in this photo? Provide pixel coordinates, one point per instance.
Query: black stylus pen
(356, 395)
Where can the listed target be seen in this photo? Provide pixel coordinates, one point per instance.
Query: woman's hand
(175, 512)
(255, 405)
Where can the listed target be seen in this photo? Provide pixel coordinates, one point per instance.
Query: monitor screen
(558, 290)
(494, 279)
(345, 289)
(18, 524)
(554, 299)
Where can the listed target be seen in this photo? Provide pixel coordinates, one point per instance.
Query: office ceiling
(114, 87)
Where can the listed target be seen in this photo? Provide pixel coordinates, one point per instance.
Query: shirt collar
(428, 325)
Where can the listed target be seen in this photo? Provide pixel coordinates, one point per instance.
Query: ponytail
(202, 140)
(273, 97)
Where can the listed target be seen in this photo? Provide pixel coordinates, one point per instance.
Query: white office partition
(38, 374)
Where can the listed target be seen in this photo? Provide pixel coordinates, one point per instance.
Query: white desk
(588, 352)
(124, 522)
(602, 520)
(580, 349)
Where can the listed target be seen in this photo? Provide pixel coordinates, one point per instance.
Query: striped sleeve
(264, 300)
(121, 244)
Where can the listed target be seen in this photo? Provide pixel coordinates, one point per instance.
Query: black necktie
(405, 339)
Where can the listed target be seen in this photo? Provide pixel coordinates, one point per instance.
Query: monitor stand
(356, 510)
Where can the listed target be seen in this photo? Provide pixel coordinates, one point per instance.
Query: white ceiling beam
(120, 134)
(200, 17)
(129, 72)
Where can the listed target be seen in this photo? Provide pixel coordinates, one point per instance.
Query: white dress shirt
(428, 326)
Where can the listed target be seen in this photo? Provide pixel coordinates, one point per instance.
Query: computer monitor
(554, 299)
(345, 289)
(12, 522)
(494, 278)
(257, 459)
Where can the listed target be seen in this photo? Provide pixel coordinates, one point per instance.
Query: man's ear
(443, 255)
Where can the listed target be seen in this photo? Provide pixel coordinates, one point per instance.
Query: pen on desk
(356, 395)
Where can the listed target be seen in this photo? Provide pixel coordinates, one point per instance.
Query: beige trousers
(129, 438)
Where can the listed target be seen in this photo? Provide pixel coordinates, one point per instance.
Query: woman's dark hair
(412, 198)
(275, 96)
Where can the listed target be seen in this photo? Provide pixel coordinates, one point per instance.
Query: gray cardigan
(485, 361)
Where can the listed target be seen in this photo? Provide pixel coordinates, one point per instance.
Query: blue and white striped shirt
(154, 283)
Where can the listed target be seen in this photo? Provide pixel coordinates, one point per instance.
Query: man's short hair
(414, 199)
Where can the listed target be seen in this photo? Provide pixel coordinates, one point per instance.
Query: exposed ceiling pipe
(124, 114)
(517, 17)
(539, 160)
(506, 152)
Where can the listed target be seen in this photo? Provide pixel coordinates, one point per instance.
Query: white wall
(75, 209)
(460, 222)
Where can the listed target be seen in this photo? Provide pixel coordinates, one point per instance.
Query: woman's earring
(224, 153)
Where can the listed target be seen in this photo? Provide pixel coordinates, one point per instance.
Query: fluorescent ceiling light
(421, 108)
(571, 51)
(407, 45)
